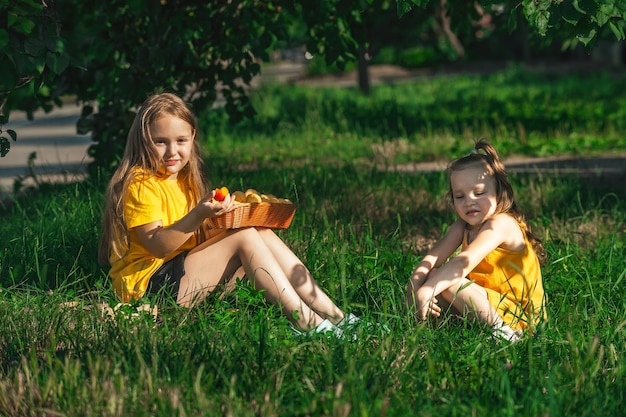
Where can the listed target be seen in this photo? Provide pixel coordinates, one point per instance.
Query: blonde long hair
(486, 156)
(141, 158)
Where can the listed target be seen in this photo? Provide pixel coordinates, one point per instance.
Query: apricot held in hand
(220, 194)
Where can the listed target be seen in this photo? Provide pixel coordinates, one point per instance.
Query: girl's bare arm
(161, 241)
(501, 230)
(442, 250)
(433, 259)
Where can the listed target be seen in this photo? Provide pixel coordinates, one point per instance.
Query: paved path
(61, 154)
(610, 166)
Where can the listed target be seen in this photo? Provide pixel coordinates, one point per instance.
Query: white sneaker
(506, 333)
(348, 320)
(352, 322)
(325, 327)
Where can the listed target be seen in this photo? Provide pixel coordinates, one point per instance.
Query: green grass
(361, 231)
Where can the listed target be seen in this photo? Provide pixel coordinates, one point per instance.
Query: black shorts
(166, 280)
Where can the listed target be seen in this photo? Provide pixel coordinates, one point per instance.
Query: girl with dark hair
(496, 274)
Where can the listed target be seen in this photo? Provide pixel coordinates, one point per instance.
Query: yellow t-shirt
(148, 199)
(513, 283)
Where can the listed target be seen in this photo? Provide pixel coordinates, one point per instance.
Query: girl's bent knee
(448, 295)
(246, 236)
(245, 232)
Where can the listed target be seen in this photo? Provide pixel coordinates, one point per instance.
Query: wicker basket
(271, 215)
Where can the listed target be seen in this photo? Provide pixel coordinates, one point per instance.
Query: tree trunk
(525, 38)
(442, 14)
(364, 77)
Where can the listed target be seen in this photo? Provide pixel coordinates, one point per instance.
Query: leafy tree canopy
(579, 19)
(114, 53)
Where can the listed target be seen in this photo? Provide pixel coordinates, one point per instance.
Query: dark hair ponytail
(486, 155)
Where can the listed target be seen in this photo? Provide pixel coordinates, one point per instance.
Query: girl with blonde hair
(155, 236)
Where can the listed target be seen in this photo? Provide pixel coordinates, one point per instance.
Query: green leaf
(8, 75)
(57, 62)
(569, 13)
(86, 111)
(512, 20)
(84, 125)
(542, 20)
(589, 7)
(54, 44)
(530, 8)
(537, 15)
(12, 133)
(587, 36)
(34, 46)
(24, 26)
(5, 145)
(605, 12)
(405, 6)
(4, 38)
(617, 30)
(23, 64)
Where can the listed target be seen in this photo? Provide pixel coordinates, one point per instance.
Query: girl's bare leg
(211, 263)
(467, 297)
(301, 278)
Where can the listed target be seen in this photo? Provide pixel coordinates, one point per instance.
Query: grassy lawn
(361, 229)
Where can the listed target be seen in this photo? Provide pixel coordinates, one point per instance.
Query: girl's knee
(465, 290)
(247, 238)
(245, 233)
(263, 231)
(449, 294)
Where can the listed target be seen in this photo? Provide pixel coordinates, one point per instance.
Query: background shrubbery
(521, 112)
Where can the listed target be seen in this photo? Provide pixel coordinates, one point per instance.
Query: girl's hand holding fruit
(218, 202)
(220, 194)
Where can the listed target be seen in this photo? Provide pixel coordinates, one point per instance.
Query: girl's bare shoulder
(509, 230)
(503, 219)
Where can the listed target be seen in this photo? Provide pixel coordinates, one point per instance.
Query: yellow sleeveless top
(513, 283)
